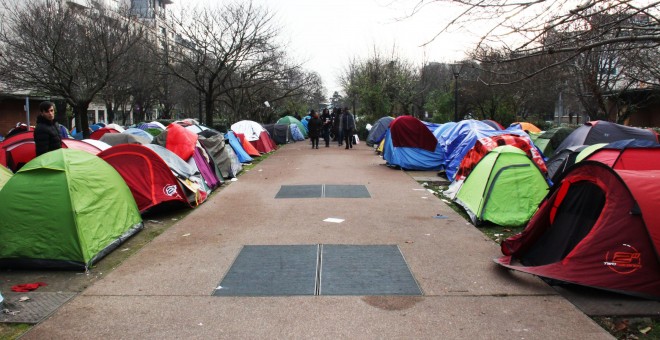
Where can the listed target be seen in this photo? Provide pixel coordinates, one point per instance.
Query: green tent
(65, 209)
(548, 141)
(505, 188)
(5, 175)
(292, 120)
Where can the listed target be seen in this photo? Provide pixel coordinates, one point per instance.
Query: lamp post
(456, 70)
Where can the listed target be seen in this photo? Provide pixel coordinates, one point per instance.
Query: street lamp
(456, 69)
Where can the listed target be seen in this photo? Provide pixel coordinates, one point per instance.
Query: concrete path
(164, 291)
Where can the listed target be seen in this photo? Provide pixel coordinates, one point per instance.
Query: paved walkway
(164, 291)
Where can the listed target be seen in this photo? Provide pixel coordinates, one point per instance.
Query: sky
(325, 35)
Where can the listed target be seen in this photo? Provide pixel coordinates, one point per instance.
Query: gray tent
(378, 131)
(123, 138)
(280, 133)
(224, 157)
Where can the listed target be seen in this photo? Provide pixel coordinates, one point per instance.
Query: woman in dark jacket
(314, 126)
(47, 132)
(326, 119)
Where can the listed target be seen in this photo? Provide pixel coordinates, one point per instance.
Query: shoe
(346, 148)
(351, 146)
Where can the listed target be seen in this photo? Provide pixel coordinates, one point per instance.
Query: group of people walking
(340, 123)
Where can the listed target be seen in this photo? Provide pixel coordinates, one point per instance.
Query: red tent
(249, 148)
(486, 144)
(631, 154)
(264, 144)
(597, 227)
(408, 131)
(102, 131)
(19, 149)
(147, 175)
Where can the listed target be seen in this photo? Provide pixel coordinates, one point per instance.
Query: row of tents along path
(51, 205)
(586, 201)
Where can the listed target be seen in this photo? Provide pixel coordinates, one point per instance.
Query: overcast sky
(325, 34)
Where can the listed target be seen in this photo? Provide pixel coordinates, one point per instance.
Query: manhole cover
(365, 270)
(300, 191)
(318, 270)
(271, 271)
(346, 191)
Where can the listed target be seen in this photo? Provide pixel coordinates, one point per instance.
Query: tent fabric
(250, 129)
(82, 220)
(411, 158)
(378, 130)
(408, 131)
(292, 120)
(187, 174)
(152, 125)
(147, 175)
(442, 128)
(124, 138)
(296, 133)
(486, 144)
(597, 227)
(102, 131)
(236, 145)
(527, 127)
(95, 143)
(504, 188)
(601, 131)
(180, 141)
(630, 154)
(563, 160)
(280, 133)
(5, 175)
(495, 125)
(459, 141)
(140, 133)
(247, 146)
(264, 144)
(549, 140)
(207, 168)
(225, 159)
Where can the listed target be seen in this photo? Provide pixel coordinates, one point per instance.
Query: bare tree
(65, 50)
(214, 46)
(528, 28)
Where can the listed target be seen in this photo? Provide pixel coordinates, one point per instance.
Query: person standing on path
(348, 126)
(337, 126)
(314, 126)
(47, 132)
(327, 125)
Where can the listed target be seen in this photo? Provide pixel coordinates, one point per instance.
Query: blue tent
(412, 158)
(442, 128)
(378, 131)
(243, 157)
(305, 121)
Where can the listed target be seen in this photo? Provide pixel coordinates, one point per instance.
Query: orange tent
(528, 127)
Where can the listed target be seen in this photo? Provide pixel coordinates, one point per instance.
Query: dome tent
(82, 220)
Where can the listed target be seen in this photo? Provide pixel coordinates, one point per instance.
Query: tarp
(89, 211)
(149, 178)
(411, 158)
(236, 145)
(224, 156)
(597, 227)
(378, 130)
(504, 188)
(296, 134)
(495, 125)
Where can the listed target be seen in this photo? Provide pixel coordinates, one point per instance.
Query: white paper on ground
(333, 220)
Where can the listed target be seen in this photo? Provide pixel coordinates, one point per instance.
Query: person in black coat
(47, 132)
(326, 118)
(348, 127)
(314, 126)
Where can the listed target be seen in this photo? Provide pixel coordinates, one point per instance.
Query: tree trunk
(60, 117)
(82, 122)
(111, 112)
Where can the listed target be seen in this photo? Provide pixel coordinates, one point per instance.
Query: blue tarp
(296, 134)
(442, 128)
(459, 140)
(243, 157)
(412, 158)
(305, 122)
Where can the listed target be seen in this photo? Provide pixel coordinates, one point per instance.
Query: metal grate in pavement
(32, 311)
